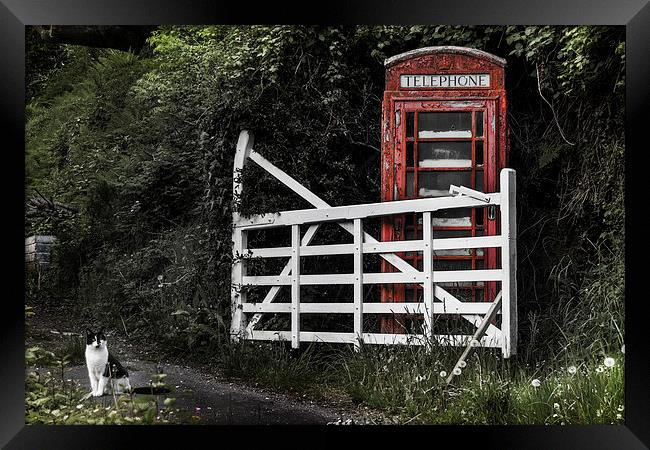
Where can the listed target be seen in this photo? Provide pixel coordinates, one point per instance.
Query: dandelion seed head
(535, 383)
(443, 374)
(572, 369)
(457, 371)
(160, 277)
(609, 362)
(462, 364)
(475, 343)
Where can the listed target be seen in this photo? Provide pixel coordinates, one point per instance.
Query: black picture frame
(16, 14)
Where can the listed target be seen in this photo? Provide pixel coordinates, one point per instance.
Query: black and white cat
(105, 372)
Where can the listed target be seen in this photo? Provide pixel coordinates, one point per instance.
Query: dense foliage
(144, 144)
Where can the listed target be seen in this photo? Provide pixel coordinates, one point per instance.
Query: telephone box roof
(444, 49)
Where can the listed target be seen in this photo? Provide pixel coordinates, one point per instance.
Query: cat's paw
(97, 394)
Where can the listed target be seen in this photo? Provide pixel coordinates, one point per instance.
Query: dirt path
(199, 391)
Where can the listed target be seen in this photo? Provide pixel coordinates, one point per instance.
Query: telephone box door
(437, 144)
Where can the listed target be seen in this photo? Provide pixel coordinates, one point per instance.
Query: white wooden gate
(436, 300)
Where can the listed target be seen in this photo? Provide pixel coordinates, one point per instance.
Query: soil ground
(199, 389)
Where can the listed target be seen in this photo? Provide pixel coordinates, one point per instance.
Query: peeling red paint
(490, 100)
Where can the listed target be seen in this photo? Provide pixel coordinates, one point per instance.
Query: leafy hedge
(144, 145)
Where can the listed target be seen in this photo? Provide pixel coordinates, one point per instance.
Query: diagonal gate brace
(244, 151)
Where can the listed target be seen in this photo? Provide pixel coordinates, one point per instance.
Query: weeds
(51, 399)
(408, 382)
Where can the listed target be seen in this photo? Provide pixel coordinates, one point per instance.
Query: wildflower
(572, 369)
(556, 405)
(443, 374)
(618, 416)
(457, 371)
(160, 277)
(462, 364)
(475, 343)
(620, 408)
(609, 362)
(600, 369)
(535, 383)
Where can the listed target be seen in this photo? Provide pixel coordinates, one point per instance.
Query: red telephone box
(443, 123)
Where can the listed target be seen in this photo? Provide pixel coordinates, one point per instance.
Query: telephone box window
(409, 154)
(410, 124)
(479, 124)
(457, 217)
(436, 184)
(444, 154)
(409, 184)
(479, 153)
(444, 125)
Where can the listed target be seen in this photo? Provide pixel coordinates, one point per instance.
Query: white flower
(620, 408)
(462, 364)
(535, 383)
(160, 277)
(599, 369)
(474, 343)
(609, 362)
(556, 405)
(443, 374)
(457, 371)
(572, 369)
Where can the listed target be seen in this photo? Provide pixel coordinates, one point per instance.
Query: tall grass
(408, 382)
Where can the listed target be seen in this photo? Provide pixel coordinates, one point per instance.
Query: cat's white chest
(96, 359)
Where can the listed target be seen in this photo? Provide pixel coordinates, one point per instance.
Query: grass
(409, 383)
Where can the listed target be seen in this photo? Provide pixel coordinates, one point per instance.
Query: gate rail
(436, 300)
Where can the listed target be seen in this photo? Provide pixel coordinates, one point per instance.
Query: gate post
(239, 239)
(358, 282)
(508, 185)
(427, 267)
(295, 286)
